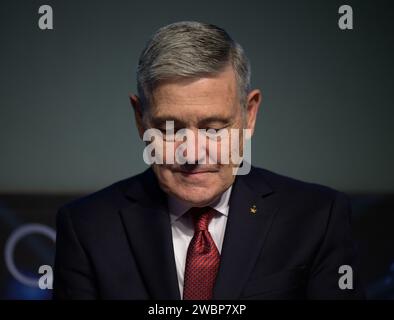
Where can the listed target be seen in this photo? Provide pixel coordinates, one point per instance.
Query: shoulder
(295, 190)
(100, 204)
(306, 206)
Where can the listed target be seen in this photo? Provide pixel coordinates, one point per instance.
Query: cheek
(226, 173)
(226, 150)
(164, 175)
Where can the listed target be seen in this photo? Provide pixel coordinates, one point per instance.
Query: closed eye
(214, 133)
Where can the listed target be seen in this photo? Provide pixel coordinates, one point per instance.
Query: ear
(137, 106)
(253, 103)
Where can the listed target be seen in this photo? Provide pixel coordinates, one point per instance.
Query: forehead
(196, 97)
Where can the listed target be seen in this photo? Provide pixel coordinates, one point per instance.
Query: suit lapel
(148, 229)
(245, 233)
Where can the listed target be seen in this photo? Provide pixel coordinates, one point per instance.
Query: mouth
(196, 177)
(192, 173)
(195, 173)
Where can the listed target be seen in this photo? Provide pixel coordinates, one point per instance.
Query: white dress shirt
(183, 228)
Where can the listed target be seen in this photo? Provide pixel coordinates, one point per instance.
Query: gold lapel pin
(253, 209)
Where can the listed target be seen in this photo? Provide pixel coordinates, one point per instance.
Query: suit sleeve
(336, 250)
(73, 273)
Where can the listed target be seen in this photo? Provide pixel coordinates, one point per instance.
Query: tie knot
(202, 217)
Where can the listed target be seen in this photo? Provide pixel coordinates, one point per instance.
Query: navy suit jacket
(117, 243)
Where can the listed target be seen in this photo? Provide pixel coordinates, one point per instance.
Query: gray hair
(190, 49)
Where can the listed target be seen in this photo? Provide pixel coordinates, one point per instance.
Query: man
(196, 230)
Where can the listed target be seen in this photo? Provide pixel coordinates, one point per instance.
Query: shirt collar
(179, 207)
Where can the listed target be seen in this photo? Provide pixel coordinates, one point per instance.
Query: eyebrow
(161, 120)
(216, 119)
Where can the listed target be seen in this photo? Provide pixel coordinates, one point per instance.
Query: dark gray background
(65, 120)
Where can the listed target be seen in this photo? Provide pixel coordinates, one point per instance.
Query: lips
(195, 172)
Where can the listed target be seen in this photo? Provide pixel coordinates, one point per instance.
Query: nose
(195, 147)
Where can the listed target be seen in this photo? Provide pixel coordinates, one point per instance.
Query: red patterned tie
(202, 260)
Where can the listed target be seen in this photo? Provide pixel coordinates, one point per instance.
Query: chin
(195, 195)
(198, 190)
